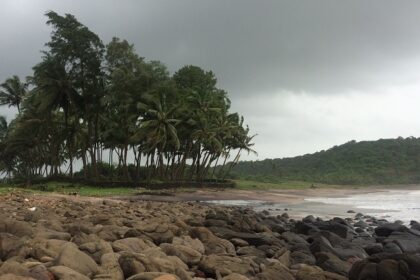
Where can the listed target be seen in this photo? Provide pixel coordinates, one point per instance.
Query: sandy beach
(320, 202)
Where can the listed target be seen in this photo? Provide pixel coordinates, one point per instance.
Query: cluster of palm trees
(91, 103)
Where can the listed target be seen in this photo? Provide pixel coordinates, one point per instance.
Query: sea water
(392, 205)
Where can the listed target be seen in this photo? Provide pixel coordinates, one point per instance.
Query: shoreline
(298, 203)
(288, 196)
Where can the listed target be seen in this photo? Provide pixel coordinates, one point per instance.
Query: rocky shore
(47, 238)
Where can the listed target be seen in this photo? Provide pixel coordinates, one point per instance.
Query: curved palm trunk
(215, 165)
(224, 163)
(235, 161)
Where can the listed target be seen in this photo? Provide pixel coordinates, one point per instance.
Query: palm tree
(158, 128)
(54, 90)
(12, 92)
(3, 128)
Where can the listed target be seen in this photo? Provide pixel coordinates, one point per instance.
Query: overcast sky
(306, 75)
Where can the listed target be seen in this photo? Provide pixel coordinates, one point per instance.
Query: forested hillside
(386, 161)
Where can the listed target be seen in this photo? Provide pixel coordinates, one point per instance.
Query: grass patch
(95, 191)
(68, 188)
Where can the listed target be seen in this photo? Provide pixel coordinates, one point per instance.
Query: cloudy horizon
(306, 75)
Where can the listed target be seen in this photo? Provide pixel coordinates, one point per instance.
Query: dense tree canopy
(86, 100)
(386, 161)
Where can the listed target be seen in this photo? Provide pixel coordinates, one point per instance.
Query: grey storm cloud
(284, 52)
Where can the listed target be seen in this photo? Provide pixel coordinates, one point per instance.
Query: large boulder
(111, 266)
(307, 272)
(185, 253)
(293, 238)
(15, 268)
(130, 264)
(39, 271)
(275, 270)
(388, 228)
(193, 243)
(17, 228)
(332, 263)
(255, 239)
(156, 232)
(132, 244)
(387, 267)
(302, 257)
(66, 273)
(325, 241)
(225, 265)
(152, 260)
(112, 232)
(46, 248)
(71, 257)
(96, 249)
(212, 243)
(406, 241)
(11, 246)
(153, 276)
(338, 227)
(52, 234)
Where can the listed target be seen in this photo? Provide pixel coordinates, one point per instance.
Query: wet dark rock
(332, 263)
(406, 241)
(302, 227)
(387, 267)
(392, 248)
(359, 216)
(293, 238)
(215, 223)
(359, 230)
(361, 224)
(339, 227)
(250, 251)
(304, 257)
(275, 271)
(309, 219)
(255, 239)
(387, 229)
(374, 248)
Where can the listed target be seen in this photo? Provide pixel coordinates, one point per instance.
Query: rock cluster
(46, 238)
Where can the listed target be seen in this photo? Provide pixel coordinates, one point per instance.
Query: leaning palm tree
(54, 90)
(158, 127)
(3, 128)
(12, 92)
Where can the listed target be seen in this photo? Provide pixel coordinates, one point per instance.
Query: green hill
(385, 161)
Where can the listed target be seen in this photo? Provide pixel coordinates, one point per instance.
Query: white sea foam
(395, 205)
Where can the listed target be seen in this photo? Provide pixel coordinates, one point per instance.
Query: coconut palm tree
(158, 127)
(12, 92)
(54, 90)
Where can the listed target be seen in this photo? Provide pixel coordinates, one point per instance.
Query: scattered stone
(74, 239)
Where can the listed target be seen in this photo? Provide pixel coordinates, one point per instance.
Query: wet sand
(286, 196)
(295, 201)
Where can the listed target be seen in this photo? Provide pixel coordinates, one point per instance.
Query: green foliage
(12, 92)
(386, 161)
(68, 188)
(86, 98)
